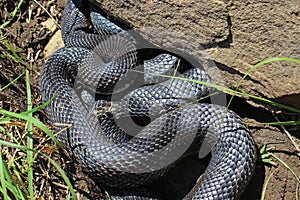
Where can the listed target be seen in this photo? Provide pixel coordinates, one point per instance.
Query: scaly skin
(155, 149)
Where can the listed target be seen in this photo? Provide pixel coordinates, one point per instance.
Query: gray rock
(235, 34)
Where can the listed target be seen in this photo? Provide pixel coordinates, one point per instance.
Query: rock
(235, 34)
(54, 43)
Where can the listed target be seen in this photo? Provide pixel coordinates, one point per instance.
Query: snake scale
(97, 55)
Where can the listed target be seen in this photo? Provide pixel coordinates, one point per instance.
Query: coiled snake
(95, 61)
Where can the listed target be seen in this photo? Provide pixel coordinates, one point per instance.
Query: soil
(34, 35)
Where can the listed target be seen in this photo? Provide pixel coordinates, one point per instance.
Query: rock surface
(235, 34)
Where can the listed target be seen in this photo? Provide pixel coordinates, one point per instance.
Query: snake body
(129, 162)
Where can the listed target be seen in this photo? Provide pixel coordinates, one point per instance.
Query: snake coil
(98, 61)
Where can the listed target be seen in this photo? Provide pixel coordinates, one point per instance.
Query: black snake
(94, 60)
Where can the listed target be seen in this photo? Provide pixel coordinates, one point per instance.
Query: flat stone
(235, 34)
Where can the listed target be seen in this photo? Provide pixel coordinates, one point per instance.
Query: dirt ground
(30, 32)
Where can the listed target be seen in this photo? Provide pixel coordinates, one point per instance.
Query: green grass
(29, 139)
(15, 11)
(266, 156)
(17, 172)
(8, 51)
(12, 172)
(263, 194)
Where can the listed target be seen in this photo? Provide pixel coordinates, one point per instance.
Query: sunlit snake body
(123, 161)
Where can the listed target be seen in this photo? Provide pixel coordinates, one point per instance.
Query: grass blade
(29, 139)
(15, 55)
(265, 186)
(6, 86)
(2, 177)
(234, 92)
(64, 176)
(35, 121)
(13, 15)
(286, 166)
(6, 119)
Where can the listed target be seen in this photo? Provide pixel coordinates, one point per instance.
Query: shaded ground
(29, 34)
